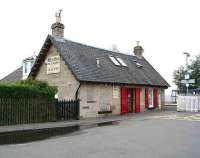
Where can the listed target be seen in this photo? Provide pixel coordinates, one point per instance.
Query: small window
(114, 60)
(139, 65)
(121, 61)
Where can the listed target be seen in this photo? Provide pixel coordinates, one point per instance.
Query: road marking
(192, 117)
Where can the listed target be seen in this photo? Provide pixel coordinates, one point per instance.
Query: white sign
(115, 92)
(53, 64)
(188, 81)
(187, 76)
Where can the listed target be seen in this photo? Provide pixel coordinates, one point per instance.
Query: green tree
(193, 69)
(179, 75)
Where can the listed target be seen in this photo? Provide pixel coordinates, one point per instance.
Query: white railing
(188, 103)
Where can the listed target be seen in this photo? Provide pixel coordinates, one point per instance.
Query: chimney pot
(58, 27)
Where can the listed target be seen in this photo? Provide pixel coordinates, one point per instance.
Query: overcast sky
(165, 28)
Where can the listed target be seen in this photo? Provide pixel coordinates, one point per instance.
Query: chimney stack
(58, 27)
(138, 50)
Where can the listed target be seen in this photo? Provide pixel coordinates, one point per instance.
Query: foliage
(27, 89)
(193, 69)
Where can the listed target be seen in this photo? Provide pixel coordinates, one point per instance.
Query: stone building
(103, 80)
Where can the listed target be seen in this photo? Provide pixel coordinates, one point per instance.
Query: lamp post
(187, 76)
(187, 55)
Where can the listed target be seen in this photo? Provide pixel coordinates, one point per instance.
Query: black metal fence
(67, 110)
(35, 110)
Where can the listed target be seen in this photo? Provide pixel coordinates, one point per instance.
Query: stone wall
(97, 97)
(64, 80)
(93, 96)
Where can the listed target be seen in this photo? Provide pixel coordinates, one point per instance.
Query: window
(117, 61)
(114, 60)
(150, 97)
(121, 61)
(139, 65)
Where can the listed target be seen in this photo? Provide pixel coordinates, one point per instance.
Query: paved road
(173, 135)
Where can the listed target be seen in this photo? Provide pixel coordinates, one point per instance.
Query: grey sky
(166, 28)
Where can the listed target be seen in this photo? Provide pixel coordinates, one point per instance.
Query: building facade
(105, 82)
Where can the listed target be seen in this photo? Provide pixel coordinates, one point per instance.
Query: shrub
(27, 89)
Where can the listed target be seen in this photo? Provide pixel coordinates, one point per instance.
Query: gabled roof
(13, 77)
(81, 59)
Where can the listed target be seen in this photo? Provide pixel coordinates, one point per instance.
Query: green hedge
(27, 89)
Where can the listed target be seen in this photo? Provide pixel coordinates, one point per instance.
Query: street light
(187, 55)
(187, 76)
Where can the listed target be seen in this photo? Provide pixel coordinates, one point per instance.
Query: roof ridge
(101, 49)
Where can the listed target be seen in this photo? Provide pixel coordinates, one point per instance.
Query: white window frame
(121, 61)
(114, 60)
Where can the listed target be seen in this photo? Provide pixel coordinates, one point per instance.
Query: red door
(137, 100)
(124, 100)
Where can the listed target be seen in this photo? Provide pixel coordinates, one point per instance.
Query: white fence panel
(188, 103)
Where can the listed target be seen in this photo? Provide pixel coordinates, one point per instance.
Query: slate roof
(13, 77)
(81, 59)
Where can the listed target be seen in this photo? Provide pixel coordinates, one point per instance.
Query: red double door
(130, 100)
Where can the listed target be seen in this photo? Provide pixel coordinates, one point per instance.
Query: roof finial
(137, 43)
(58, 16)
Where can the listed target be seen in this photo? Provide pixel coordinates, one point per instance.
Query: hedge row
(27, 89)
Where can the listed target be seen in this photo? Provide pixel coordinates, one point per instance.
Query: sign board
(188, 81)
(184, 81)
(191, 81)
(53, 64)
(187, 76)
(115, 92)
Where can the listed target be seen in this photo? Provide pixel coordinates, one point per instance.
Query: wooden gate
(68, 110)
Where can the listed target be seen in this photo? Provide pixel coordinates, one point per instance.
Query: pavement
(50, 125)
(164, 134)
(69, 123)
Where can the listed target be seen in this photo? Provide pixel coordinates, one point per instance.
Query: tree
(193, 69)
(179, 75)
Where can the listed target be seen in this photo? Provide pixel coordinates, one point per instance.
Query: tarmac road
(171, 136)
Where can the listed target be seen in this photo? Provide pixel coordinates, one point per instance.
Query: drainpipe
(76, 95)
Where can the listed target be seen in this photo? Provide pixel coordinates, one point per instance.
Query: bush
(27, 89)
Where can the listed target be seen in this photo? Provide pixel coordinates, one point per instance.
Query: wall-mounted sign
(53, 64)
(115, 92)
